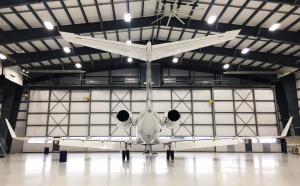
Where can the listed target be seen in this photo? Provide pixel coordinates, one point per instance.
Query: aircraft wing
(173, 48)
(181, 144)
(130, 50)
(89, 143)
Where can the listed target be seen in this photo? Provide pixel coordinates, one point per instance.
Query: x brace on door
(244, 101)
(59, 101)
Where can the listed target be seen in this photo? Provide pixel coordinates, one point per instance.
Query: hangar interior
(52, 88)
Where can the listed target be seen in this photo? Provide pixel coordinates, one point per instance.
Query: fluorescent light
(245, 50)
(2, 56)
(226, 66)
(128, 42)
(175, 60)
(127, 17)
(274, 27)
(48, 25)
(78, 65)
(67, 50)
(211, 20)
(129, 59)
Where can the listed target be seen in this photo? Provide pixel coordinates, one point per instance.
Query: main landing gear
(170, 153)
(126, 153)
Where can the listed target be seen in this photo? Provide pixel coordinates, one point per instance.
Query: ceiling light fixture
(78, 65)
(2, 56)
(48, 25)
(175, 60)
(26, 72)
(129, 59)
(127, 17)
(128, 42)
(67, 50)
(226, 66)
(245, 50)
(211, 20)
(274, 27)
(23, 70)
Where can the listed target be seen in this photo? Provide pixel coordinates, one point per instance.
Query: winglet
(233, 33)
(12, 132)
(287, 127)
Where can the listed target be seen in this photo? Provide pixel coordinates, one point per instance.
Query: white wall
(69, 113)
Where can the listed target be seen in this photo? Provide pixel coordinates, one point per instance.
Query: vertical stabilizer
(149, 85)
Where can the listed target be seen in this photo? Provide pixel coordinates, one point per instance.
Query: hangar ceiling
(26, 41)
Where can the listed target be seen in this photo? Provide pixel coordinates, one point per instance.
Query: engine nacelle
(171, 119)
(124, 119)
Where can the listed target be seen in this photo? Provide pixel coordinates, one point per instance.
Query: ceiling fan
(175, 12)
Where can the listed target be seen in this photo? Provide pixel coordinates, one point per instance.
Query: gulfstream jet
(148, 123)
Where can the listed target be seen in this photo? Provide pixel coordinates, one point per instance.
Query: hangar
(149, 91)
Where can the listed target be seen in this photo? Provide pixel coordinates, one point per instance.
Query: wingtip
(287, 127)
(12, 132)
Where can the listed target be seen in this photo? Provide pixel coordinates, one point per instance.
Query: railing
(3, 147)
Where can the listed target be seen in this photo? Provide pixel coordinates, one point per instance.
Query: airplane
(148, 123)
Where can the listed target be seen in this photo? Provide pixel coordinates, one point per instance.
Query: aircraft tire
(123, 154)
(127, 154)
(172, 154)
(168, 154)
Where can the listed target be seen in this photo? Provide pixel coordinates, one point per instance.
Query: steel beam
(286, 2)
(42, 33)
(226, 52)
(13, 3)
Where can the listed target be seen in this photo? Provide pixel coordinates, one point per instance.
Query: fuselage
(148, 127)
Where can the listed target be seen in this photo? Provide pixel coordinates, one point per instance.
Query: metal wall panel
(234, 112)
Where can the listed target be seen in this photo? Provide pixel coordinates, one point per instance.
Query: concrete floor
(101, 169)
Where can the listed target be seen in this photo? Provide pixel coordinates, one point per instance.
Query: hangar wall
(236, 111)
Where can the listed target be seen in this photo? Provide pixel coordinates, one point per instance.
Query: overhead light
(245, 50)
(226, 66)
(128, 42)
(211, 20)
(26, 72)
(48, 25)
(2, 56)
(274, 27)
(129, 59)
(23, 70)
(127, 17)
(175, 60)
(78, 65)
(67, 50)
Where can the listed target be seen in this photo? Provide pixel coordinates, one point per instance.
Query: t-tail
(148, 75)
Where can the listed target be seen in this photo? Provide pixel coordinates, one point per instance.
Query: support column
(286, 95)
(12, 94)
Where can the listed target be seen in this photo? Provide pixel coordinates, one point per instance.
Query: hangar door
(234, 112)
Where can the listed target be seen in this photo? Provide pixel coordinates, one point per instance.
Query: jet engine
(171, 119)
(124, 119)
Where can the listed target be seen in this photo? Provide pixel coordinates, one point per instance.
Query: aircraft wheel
(123, 154)
(172, 155)
(168, 154)
(127, 154)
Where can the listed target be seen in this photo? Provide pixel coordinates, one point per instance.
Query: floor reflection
(187, 168)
